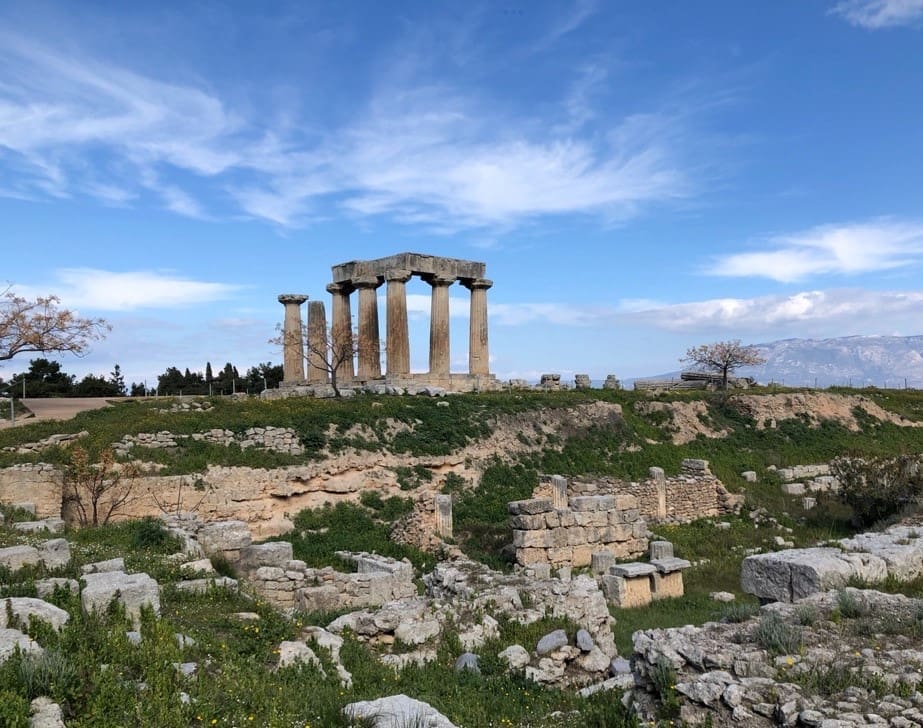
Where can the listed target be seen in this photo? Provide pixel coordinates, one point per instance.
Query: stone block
(563, 555)
(274, 553)
(661, 550)
(749, 476)
(808, 503)
(224, 536)
(559, 537)
(669, 565)
(533, 539)
(530, 523)
(12, 640)
(600, 561)
(667, 586)
(793, 488)
(527, 557)
(581, 556)
(133, 591)
(576, 536)
(99, 567)
(24, 609)
(55, 553)
(529, 507)
(552, 519)
(318, 599)
(551, 642)
(46, 587)
(568, 518)
(16, 557)
(632, 570)
(625, 502)
(592, 502)
(541, 571)
(627, 592)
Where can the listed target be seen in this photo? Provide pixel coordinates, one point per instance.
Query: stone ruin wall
(566, 533)
(694, 493)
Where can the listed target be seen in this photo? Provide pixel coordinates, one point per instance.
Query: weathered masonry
(366, 277)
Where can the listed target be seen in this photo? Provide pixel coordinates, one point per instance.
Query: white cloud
(848, 249)
(101, 290)
(843, 308)
(421, 154)
(876, 14)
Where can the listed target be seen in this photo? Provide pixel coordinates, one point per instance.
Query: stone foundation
(568, 536)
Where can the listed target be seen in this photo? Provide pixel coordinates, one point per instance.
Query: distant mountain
(858, 361)
(882, 361)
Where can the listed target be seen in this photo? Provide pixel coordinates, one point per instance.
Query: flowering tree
(723, 357)
(41, 325)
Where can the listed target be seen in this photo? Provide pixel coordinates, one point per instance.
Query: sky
(638, 177)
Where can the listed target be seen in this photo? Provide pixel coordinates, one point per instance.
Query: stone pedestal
(341, 332)
(439, 326)
(292, 338)
(398, 340)
(478, 354)
(369, 341)
(318, 351)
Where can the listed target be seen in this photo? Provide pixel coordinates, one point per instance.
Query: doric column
(398, 340)
(292, 338)
(369, 342)
(341, 331)
(318, 351)
(477, 335)
(439, 325)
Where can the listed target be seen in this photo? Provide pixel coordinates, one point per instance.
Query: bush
(149, 534)
(739, 612)
(49, 673)
(14, 710)
(777, 636)
(877, 488)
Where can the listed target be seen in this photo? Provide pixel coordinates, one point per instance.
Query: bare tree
(723, 357)
(41, 325)
(95, 492)
(330, 357)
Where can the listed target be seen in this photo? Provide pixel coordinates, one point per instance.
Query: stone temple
(365, 368)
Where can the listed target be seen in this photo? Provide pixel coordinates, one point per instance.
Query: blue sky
(638, 177)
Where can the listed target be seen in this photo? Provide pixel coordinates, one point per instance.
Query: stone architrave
(341, 331)
(478, 353)
(439, 325)
(292, 338)
(398, 339)
(369, 341)
(318, 352)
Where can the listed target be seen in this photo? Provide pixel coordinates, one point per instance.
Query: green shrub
(739, 611)
(877, 488)
(777, 636)
(14, 710)
(663, 675)
(150, 534)
(849, 605)
(50, 673)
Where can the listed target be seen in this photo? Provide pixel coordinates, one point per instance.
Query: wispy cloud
(848, 249)
(420, 153)
(780, 313)
(101, 290)
(877, 14)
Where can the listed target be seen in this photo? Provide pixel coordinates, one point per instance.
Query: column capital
(345, 288)
(473, 283)
(398, 275)
(439, 280)
(367, 281)
(298, 298)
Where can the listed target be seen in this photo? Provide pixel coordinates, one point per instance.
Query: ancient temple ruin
(366, 277)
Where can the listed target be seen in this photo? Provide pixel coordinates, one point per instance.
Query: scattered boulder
(24, 609)
(515, 656)
(397, 711)
(468, 661)
(551, 642)
(133, 591)
(13, 639)
(16, 557)
(45, 714)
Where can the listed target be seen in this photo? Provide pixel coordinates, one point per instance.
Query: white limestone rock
(24, 609)
(11, 639)
(45, 713)
(515, 656)
(16, 557)
(133, 591)
(398, 711)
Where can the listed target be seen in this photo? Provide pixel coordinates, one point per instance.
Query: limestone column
(292, 338)
(341, 331)
(398, 340)
(477, 335)
(443, 507)
(439, 325)
(318, 351)
(559, 492)
(369, 342)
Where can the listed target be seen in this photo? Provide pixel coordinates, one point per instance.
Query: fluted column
(478, 355)
(439, 325)
(292, 338)
(369, 341)
(341, 331)
(318, 350)
(397, 343)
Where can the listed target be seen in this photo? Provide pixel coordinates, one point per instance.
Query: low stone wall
(50, 441)
(277, 439)
(694, 493)
(36, 483)
(290, 584)
(568, 535)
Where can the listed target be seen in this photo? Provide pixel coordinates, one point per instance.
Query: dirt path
(59, 408)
